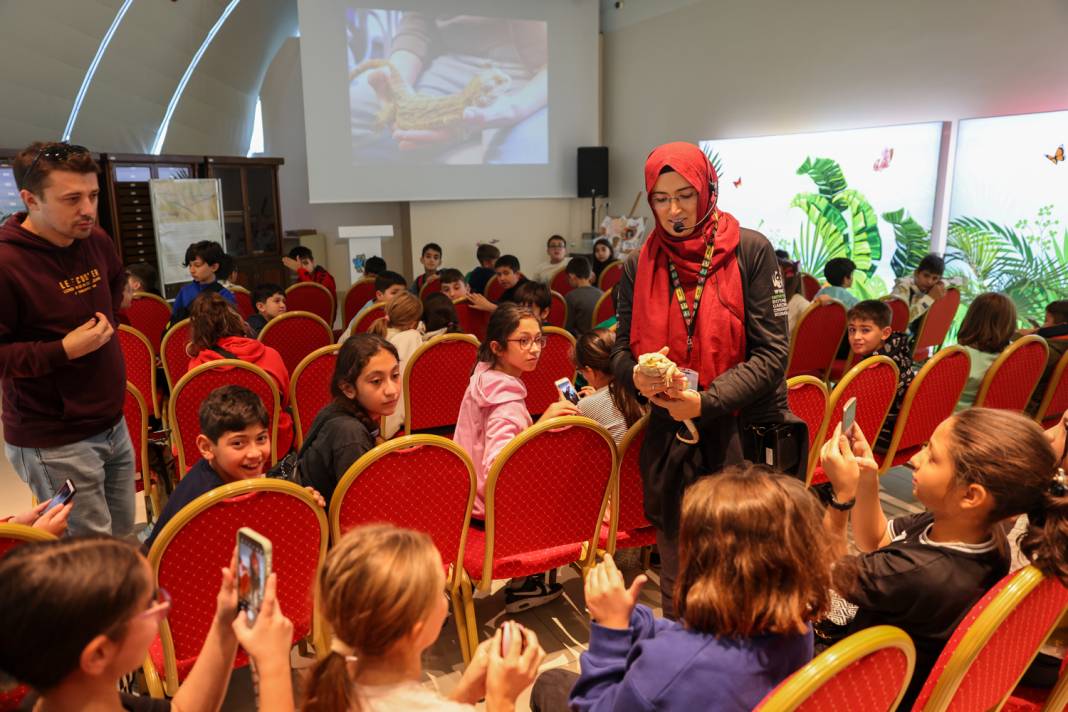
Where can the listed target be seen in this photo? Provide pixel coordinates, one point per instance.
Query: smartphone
(64, 495)
(849, 415)
(568, 389)
(253, 568)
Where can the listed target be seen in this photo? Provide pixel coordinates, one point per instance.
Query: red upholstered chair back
(296, 334)
(174, 354)
(810, 284)
(11, 535)
(869, 670)
(369, 317)
(150, 315)
(243, 298)
(435, 380)
(429, 287)
(994, 644)
(605, 308)
(472, 321)
(899, 321)
(631, 495)
(815, 339)
(807, 399)
(559, 282)
(1011, 379)
(547, 488)
(11, 698)
(140, 364)
(1055, 399)
(136, 414)
(358, 295)
(190, 550)
(930, 399)
(555, 363)
(936, 323)
(384, 486)
(195, 386)
(309, 388)
(494, 289)
(610, 275)
(311, 297)
(558, 310)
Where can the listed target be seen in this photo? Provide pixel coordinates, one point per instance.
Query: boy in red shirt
(302, 262)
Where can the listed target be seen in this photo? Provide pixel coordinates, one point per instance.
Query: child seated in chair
(921, 289)
(402, 327)
(387, 286)
(270, 301)
(453, 285)
(208, 267)
(439, 316)
(583, 297)
(487, 256)
(604, 400)
(1055, 332)
(302, 261)
(985, 332)
(869, 334)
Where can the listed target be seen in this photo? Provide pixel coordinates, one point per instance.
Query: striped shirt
(599, 407)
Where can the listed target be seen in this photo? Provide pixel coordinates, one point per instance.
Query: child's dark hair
(487, 252)
(1058, 311)
(837, 270)
(374, 266)
(439, 313)
(509, 261)
(594, 350)
(146, 273)
(230, 409)
(535, 293)
(57, 596)
(212, 317)
(607, 243)
(552, 238)
(579, 268)
(352, 358)
(211, 253)
(501, 324)
(263, 292)
(449, 275)
(794, 284)
(300, 252)
(872, 310)
(431, 246)
(386, 279)
(782, 255)
(989, 323)
(932, 263)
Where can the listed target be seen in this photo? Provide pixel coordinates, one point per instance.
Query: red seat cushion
(525, 564)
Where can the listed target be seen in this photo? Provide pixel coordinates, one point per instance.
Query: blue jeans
(102, 470)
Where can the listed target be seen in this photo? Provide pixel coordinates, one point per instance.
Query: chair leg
(470, 620)
(152, 681)
(647, 558)
(460, 619)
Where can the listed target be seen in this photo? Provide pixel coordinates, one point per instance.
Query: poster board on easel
(184, 211)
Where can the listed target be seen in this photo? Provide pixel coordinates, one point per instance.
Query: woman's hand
(558, 408)
(686, 406)
(610, 603)
(512, 671)
(269, 639)
(649, 385)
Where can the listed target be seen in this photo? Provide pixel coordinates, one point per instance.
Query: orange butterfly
(1057, 156)
(737, 183)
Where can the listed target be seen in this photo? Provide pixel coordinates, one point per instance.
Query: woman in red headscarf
(708, 295)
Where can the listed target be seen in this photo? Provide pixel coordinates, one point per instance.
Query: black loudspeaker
(593, 171)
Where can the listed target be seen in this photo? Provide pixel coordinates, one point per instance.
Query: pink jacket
(493, 412)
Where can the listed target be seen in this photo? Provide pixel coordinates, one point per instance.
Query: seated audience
(453, 285)
(535, 296)
(401, 326)
(366, 387)
(556, 248)
(302, 261)
(603, 400)
(985, 332)
(53, 521)
(430, 258)
(207, 264)
(839, 275)
(509, 275)
(925, 285)
(754, 575)
(869, 334)
(217, 331)
(923, 572)
(603, 255)
(380, 592)
(143, 278)
(439, 316)
(80, 614)
(582, 299)
(387, 285)
(1055, 332)
(270, 301)
(374, 266)
(486, 255)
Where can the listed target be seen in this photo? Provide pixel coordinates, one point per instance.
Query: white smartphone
(253, 568)
(64, 495)
(849, 415)
(566, 387)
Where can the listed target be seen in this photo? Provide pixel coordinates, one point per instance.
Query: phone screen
(253, 568)
(849, 415)
(64, 495)
(568, 389)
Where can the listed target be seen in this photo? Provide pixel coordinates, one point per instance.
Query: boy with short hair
(583, 297)
(923, 287)
(301, 261)
(1055, 332)
(869, 334)
(431, 260)
(387, 286)
(509, 275)
(142, 278)
(535, 296)
(839, 275)
(208, 264)
(556, 248)
(486, 255)
(270, 301)
(374, 266)
(453, 285)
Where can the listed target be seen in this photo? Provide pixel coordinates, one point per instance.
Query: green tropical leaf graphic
(826, 174)
(913, 242)
(867, 245)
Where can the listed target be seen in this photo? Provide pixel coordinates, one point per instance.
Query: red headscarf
(719, 335)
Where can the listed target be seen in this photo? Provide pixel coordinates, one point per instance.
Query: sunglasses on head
(56, 153)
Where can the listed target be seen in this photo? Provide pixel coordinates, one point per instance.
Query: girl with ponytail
(604, 400)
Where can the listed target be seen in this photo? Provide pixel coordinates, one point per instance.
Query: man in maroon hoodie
(62, 373)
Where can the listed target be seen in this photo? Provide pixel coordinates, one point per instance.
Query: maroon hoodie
(45, 292)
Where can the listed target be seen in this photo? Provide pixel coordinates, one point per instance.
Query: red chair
(150, 315)
(631, 528)
(543, 504)
(873, 382)
(807, 399)
(378, 488)
(136, 413)
(930, 399)
(429, 287)
(995, 643)
(815, 339)
(311, 297)
(557, 310)
(1011, 379)
(435, 380)
(604, 310)
(559, 282)
(811, 285)
(309, 388)
(869, 670)
(358, 295)
(935, 323)
(611, 273)
(194, 387)
(840, 367)
(1055, 400)
(472, 321)
(369, 317)
(243, 298)
(494, 289)
(899, 309)
(140, 364)
(190, 550)
(174, 353)
(296, 334)
(1033, 699)
(555, 363)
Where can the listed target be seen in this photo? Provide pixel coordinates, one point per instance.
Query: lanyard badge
(689, 316)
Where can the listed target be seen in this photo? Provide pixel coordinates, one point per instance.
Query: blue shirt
(840, 294)
(200, 479)
(193, 290)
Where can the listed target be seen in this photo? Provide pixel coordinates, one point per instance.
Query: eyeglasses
(55, 152)
(158, 606)
(662, 200)
(525, 342)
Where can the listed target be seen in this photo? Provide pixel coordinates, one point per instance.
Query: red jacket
(319, 275)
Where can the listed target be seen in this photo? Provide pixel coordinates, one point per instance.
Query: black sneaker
(533, 592)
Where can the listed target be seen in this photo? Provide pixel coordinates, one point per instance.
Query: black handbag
(782, 446)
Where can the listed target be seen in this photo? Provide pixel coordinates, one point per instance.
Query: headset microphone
(678, 225)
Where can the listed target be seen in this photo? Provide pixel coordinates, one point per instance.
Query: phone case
(250, 595)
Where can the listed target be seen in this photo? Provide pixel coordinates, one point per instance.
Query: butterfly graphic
(1057, 156)
(737, 183)
(883, 163)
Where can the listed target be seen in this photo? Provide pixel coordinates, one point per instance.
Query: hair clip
(1059, 488)
(339, 647)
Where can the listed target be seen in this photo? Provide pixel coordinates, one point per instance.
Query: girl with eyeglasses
(80, 614)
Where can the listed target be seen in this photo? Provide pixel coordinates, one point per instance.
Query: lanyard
(689, 316)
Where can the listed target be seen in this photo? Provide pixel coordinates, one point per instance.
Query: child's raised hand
(609, 601)
(840, 464)
(514, 670)
(226, 601)
(269, 639)
(291, 263)
(862, 451)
